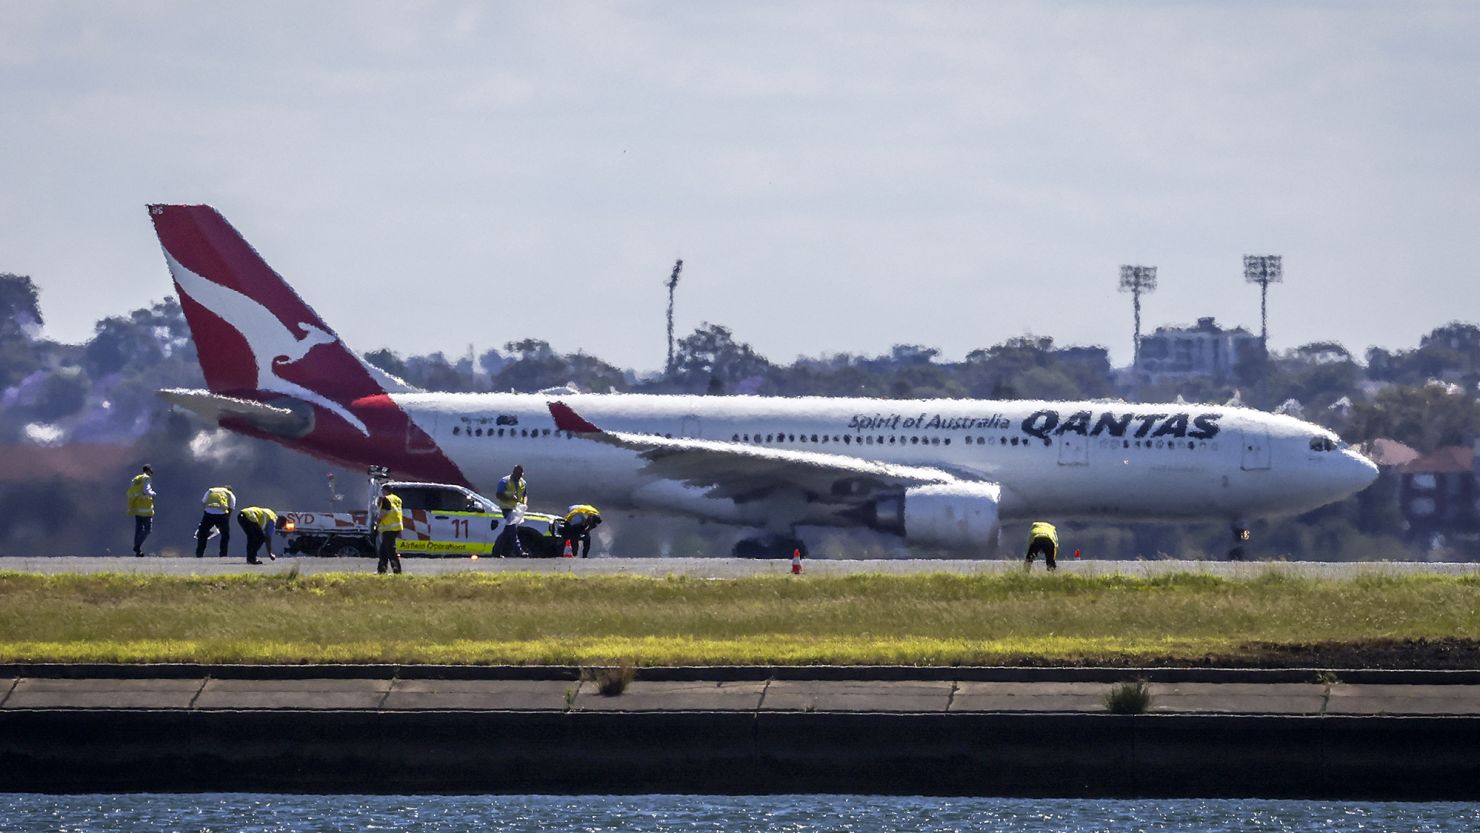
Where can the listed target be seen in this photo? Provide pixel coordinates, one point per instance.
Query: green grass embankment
(934, 619)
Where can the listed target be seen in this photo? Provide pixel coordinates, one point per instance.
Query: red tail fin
(566, 419)
(254, 334)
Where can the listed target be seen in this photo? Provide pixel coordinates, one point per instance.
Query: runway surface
(716, 568)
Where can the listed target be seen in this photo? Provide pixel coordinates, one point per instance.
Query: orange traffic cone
(569, 553)
(796, 562)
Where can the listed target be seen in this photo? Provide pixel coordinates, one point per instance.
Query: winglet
(568, 420)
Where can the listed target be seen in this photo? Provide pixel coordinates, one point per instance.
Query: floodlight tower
(1135, 280)
(672, 285)
(1263, 270)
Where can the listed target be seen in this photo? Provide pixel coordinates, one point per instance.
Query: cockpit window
(1322, 444)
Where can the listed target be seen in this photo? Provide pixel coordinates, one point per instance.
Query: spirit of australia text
(891, 422)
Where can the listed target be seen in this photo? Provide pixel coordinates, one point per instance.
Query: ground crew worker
(579, 521)
(1043, 538)
(388, 526)
(219, 502)
(141, 506)
(513, 497)
(258, 524)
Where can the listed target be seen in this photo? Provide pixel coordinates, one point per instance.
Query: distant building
(1437, 493)
(1388, 453)
(1203, 350)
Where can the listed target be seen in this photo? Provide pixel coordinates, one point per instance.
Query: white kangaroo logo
(271, 341)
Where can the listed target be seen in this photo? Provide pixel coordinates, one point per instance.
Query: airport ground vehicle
(441, 520)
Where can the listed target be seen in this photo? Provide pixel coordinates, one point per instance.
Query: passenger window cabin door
(1256, 450)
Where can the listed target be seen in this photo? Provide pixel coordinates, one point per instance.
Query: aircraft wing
(745, 472)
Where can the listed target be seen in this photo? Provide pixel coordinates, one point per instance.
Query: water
(246, 813)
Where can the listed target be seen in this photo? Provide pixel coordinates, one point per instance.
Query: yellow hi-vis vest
(264, 518)
(581, 512)
(139, 501)
(218, 498)
(509, 494)
(1044, 530)
(391, 519)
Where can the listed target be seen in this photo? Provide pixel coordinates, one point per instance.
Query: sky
(837, 176)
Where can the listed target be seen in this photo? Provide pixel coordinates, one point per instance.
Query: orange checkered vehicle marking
(417, 526)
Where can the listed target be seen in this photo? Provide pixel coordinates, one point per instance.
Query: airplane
(940, 474)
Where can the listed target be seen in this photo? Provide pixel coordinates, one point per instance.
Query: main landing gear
(771, 546)
(1240, 540)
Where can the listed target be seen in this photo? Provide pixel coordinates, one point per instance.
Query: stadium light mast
(672, 285)
(1263, 270)
(1135, 280)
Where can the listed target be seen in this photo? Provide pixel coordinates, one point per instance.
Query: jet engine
(952, 515)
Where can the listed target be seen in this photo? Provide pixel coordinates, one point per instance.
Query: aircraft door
(691, 427)
(1073, 450)
(1256, 450)
(419, 441)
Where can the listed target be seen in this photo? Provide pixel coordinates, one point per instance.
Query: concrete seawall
(1379, 740)
(716, 752)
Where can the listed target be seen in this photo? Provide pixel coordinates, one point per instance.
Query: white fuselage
(1062, 460)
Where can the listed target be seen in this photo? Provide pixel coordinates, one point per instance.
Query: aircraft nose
(1359, 472)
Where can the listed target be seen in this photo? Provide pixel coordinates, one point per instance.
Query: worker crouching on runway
(388, 526)
(258, 524)
(579, 521)
(1043, 538)
(219, 503)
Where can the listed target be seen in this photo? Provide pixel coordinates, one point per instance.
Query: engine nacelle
(952, 515)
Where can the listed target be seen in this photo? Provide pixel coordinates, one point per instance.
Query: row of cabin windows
(459, 430)
(1190, 445)
(1023, 442)
(1001, 441)
(845, 439)
(849, 439)
(464, 431)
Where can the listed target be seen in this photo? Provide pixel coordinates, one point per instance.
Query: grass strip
(526, 618)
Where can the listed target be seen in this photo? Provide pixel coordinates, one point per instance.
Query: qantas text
(1042, 424)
